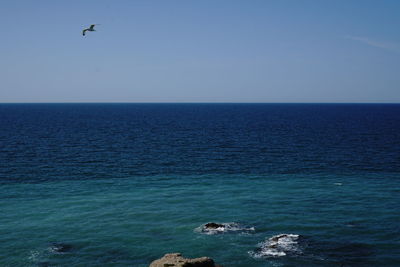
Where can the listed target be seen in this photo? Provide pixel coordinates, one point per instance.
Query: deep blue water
(123, 184)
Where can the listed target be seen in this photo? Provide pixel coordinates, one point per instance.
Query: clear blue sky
(200, 51)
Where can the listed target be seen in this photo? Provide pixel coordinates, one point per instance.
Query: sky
(200, 51)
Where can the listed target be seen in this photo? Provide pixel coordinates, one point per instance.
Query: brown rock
(176, 260)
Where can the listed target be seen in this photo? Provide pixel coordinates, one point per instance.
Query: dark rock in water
(279, 246)
(176, 260)
(213, 225)
(277, 237)
(60, 247)
(219, 228)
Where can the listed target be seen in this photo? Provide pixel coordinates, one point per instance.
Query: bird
(90, 29)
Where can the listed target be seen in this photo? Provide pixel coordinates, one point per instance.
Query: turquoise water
(127, 198)
(130, 222)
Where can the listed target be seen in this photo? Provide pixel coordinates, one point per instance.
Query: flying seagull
(90, 29)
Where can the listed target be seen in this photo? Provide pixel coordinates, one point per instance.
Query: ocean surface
(123, 184)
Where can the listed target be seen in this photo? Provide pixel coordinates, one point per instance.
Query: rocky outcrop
(213, 228)
(213, 225)
(176, 260)
(60, 247)
(279, 246)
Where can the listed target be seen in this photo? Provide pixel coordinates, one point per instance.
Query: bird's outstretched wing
(83, 32)
(92, 26)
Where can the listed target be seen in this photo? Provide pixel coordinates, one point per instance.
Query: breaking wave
(278, 246)
(219, 228)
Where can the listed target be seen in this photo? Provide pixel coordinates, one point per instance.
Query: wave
(278, 246)
(219, 228)
(42, 256)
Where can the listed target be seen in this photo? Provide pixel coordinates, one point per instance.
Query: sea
(123, 184)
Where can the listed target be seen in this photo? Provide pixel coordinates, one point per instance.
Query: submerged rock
(276, 238)
(278, 246)
(60, 247)
(218, 228)
(176, 260)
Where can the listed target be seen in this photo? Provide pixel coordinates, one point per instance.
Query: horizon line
(389, 103)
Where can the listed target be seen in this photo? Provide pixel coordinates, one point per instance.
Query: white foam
(34, 255)
(278, 246)
(225, 228)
